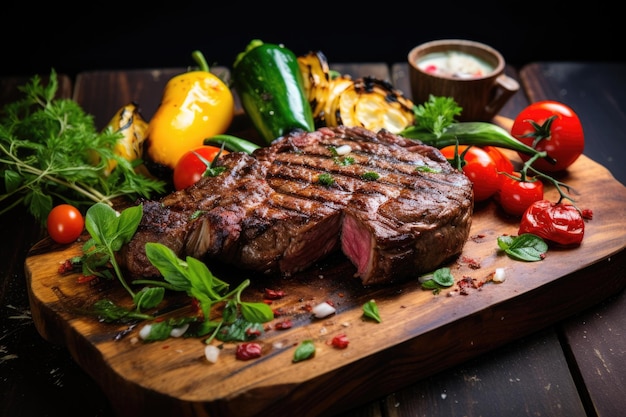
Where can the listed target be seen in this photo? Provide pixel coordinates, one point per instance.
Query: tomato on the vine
(558, 223)
(479, 167)
(552, 127)
(515, 195)
(190, 167)
(65, 223)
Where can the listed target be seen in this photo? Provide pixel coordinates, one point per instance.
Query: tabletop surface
(574, 368)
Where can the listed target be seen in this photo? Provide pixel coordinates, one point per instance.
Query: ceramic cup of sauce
(470, 72)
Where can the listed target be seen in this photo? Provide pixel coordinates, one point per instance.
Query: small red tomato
(516, 196)
(191, 166)
(558, 223)
(479, 167)
(65, 223)
(552, 127)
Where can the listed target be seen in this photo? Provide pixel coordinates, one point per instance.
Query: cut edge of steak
(394, 206)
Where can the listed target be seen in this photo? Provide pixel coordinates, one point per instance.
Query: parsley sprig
(51, 152)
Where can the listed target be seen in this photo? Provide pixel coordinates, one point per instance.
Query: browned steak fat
(395, 207)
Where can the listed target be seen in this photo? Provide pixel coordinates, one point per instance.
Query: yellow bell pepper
(196, 105)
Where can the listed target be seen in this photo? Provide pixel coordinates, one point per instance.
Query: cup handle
(504, 87)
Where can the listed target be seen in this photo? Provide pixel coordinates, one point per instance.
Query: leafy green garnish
(325, 179)
(525, 247)
(109, 231)
(438, 280)
(370, 310)
(194, 277)
(370, 176)
(436, 114)
(304, 351)
(51, 152)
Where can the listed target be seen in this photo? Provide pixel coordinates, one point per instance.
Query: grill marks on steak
(269, 212)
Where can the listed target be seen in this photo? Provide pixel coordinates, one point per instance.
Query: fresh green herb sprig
(195, 278)
(438, 280)
(435, 125)
(304, 351)
(109, 231)
(370, 310)
(525, 247)
(51, 152)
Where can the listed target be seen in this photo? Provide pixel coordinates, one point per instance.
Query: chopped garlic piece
(212, 353)
(179, 331)
(343, 150)
(499, 275)
(323, 310)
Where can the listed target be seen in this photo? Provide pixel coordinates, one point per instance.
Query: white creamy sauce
(454, 64)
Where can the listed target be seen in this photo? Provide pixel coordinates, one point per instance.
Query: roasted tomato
(65, 223)
(478, 166)
(516, 196)
(557, 223)
(552, 127)
(195, 164)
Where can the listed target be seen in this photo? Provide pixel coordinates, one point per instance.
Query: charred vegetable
(339, 100)
(134, 128)
(269, 83)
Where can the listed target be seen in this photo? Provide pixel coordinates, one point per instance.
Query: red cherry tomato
(552, 127)
(516, 196)
(65, 223)
(503, 166)
(190, 168)
(479, 167)
(558, 223)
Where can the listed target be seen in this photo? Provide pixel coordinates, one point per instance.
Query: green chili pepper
(269, 83)
(471, 133)
(232, 143)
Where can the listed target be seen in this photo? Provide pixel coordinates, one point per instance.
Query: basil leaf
(526, 247)
(370, 309)
(306, 350)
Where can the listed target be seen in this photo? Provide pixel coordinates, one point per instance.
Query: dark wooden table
(576, 367)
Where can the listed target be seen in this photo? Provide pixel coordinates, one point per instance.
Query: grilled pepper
(195, 105)
(129, 121)
(269, 83)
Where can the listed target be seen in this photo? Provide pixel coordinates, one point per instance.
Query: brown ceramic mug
(470, 72)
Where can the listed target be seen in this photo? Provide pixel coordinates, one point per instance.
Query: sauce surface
(454, 64)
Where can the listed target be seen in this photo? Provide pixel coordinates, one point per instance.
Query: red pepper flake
(472, 263)
(270, 294)
(85, 278)
(464, 284)
(340, 341)
(248, 350)
(253, 332)
(279, 312)
(268, 302)
(284, 324)
(587, 214)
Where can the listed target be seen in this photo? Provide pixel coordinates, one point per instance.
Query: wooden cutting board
(420, 334)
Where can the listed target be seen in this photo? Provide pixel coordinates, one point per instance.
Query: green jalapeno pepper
(269, 83)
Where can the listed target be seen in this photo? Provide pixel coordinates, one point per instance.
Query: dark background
(123, 35)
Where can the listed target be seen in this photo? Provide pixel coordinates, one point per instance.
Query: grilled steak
(396, 208)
